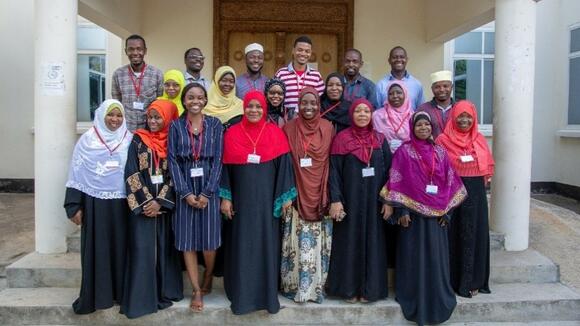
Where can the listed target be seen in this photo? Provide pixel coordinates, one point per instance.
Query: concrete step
(63, 270)
(73, 242)
(517, 303)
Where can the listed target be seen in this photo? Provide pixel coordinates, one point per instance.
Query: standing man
(442, 102)
(194, 61)
(357, 86)
(398, 61)
(298, 74)
(137, 84)
(253, 78)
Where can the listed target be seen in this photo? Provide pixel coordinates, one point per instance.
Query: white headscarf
(94, 170)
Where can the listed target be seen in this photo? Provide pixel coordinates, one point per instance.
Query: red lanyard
(424, 165)
(298, 80)
(392, 123)
(370, 152)
(196, 153)
(306, 143)
(354, 92)
(254, 143)
(331, 108)
(156, 160)
(111, 151)
(136, 87)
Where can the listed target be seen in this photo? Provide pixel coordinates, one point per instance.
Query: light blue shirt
(413, 86)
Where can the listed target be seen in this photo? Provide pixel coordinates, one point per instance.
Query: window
(574, 79)
(473, 57)
(91, 68)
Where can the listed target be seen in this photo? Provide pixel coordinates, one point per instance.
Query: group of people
(292, 184)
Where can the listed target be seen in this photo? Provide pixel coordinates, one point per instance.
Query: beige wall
(447, 19)
(121, 17)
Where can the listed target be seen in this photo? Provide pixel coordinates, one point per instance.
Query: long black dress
(469, 240)
(153, 277)
(252, 237)
(358, 263)
(103, 249)
(422, 285)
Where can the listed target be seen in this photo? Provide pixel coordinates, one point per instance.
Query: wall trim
(17, 185)
(565, 190)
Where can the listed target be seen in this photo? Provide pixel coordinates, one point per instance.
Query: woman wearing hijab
(334, 105)
(257, 187)
(275, 92)
(307, 234)
(195, 152)
(424, 188)
(96, 200)
(173, 84)
(359, 163)
(469, 227)
(153, 277)
(392, 120)
(222, 101)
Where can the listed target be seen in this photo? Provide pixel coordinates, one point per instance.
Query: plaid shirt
(123, 90)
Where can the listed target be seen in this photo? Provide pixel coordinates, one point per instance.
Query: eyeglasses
(195, 57)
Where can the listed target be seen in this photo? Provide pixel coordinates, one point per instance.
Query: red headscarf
(470, 142)
(157, 141)
(357, 140)
(270, 142)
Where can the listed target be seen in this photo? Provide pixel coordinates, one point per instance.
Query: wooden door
(238, 42)
(324, 52)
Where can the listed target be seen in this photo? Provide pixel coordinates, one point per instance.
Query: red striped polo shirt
(294, 83)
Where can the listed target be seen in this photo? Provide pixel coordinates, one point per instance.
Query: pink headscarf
(394, 122)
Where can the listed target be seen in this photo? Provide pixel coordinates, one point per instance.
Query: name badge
(432, 189)
(157, 179)
(466, 158)
(254, 158)
(368, 172)
(112, 164)
(305, 162)
(138, 105)
(196, 172)
(395, 143)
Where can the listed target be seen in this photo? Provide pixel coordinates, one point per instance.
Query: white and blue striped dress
(196, 229)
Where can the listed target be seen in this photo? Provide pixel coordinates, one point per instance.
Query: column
(515, 35)
(55, 63)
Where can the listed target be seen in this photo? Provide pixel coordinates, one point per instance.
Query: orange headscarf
(157, 141)
(471, 142)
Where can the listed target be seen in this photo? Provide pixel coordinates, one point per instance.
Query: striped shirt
(295, 83)
(244, 84)
(123, 89)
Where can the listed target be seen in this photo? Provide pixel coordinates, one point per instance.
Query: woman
(334, 106)
(423, 187)
(275, 92)
(359, 165)
(307, 234)
(392, 120)
(173, 84)
(469, 227)
(153, 276)
(222, 101)
(257, 186)
(195, 151)
(96, 200)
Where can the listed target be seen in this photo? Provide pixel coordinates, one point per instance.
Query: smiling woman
(222, 101)
(173, 84)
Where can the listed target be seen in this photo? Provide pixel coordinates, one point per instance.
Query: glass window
(468, 43)
(575, 40)
(489, 43)
(574, 92)
(90, 84)
(487, 117)
(91, 38)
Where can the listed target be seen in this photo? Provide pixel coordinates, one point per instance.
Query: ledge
(569, 133)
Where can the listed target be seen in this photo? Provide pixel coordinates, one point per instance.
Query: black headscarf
(339, 114)
(275, 112)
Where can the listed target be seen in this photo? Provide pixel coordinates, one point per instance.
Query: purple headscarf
(415, 165)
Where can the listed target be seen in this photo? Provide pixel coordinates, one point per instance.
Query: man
(137, 84)
(253, 78)
(398, 62)
(298, 74)
(357, 86)
(442, 102)
(194, 61)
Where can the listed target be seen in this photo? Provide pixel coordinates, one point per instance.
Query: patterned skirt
(306, 250)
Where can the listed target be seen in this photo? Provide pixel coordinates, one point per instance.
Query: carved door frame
(281, 17)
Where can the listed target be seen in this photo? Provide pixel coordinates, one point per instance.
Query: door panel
(238, 42)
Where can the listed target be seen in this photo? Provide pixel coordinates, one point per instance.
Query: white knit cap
(254, 46)
(443, 75)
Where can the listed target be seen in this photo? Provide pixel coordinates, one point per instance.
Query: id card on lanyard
(138, 104)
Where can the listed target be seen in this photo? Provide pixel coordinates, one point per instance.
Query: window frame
(571, 55)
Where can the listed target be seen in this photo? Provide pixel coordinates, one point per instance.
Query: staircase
(525, 290)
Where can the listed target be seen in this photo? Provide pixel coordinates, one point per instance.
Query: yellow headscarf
(177, 77)
(223, 107)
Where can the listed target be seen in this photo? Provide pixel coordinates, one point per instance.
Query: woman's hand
(227, 208)
(286, 207)
(387, 211)
(77, 218)
(151, 209)
(202, 201)
(191, 200)
(336, 211)
(404, 221)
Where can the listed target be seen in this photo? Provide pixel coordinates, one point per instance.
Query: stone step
(517, 303)
(73, 242)
(63, 270)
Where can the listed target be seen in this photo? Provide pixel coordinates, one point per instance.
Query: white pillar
(515, 36)
(55, 63)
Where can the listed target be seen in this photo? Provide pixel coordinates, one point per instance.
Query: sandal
(474, 292)
(196, 303)
(206, 287)
(351, 300)
(363, 300)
